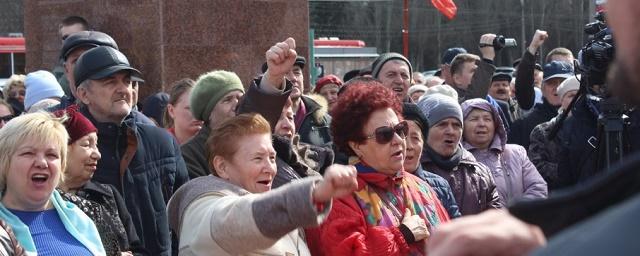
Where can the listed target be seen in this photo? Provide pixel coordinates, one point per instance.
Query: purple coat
(514, 174)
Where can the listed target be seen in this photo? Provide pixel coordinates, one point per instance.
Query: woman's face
(414, 147)
(330, 92)
(479, 128)
(181, 113)
(386, 158)
(285, 126)
(5, 115)
(444, 136)
(82, 161)
(253, 166)
(18, 93)
(33, 173)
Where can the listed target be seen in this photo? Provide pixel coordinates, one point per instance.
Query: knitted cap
(450, 54)
(209, 89)
(40, 85)
(437, 107)
(410, 111)
(325, 80)
(77, 125)
(569, 84)
(417, 88)
(443, 89)
(377, 64)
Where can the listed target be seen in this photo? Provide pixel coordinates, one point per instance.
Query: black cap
(501, 76)
(411, 111)
(88, 39)
(451, 53)
(300, 62)
(101, 62)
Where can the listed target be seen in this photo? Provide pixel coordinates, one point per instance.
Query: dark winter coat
(442, 189)
(582, 155)
(521, 130)
(471, 182)
(315, 128)
(145, 164)
(525, 94)
(544, 153)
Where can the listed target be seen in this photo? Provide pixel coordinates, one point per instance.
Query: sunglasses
(6, 118)
(384, 134)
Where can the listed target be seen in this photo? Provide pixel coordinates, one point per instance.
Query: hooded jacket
(315, 129)
(515, 176)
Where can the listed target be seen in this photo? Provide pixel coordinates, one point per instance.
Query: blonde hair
(13, 82)
(41, 127)
(224, 137)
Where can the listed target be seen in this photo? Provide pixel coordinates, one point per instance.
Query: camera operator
(587, 150)
(471, 76)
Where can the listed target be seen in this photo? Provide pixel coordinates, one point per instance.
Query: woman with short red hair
(392, 212)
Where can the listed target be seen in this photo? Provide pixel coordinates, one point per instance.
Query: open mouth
(39, 178)
(397, 154)
(450, 142)
(398, 89)
(265, 182)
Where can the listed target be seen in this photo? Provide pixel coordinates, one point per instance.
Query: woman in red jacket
(392, 212)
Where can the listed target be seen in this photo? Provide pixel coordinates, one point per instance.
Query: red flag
(446, 7)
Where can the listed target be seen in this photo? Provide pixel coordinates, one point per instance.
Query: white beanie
(417, 88)
(569, 84)
(444, 89)
(40, 85)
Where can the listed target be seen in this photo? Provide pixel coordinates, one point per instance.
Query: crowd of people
(382, 161)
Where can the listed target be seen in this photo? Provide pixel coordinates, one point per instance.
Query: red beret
(325, 80)
(77, 125)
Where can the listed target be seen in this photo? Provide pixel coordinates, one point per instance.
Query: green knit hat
(209, 89)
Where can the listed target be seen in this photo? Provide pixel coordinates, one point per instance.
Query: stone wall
(170, 40)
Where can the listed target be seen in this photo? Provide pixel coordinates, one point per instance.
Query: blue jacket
(145, 164)
(443, 190)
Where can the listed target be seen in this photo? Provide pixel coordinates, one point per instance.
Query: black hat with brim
(101, 62)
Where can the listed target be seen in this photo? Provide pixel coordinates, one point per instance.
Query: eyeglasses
(384, 134)
(6, 118)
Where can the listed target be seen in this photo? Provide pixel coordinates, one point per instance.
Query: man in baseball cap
(144, 161)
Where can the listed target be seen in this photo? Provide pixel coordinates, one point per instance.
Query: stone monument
(169, 40)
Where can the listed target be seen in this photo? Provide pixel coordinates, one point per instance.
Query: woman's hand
(416, 225)
(339, 180)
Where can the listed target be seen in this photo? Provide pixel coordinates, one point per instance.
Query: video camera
(501, 42)
(597, 54)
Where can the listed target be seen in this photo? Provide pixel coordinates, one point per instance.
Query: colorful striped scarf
(384, 199)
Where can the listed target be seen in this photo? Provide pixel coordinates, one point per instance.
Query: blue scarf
(75, 221)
